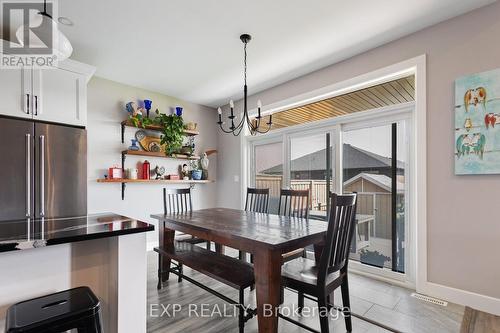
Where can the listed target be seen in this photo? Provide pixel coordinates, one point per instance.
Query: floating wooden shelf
(128, 123)
(125, 181)
(211, 151)
(159, 154)
(154, 181)
(124, 153)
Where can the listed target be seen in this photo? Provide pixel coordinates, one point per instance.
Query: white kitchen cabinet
(60, 96)
(15, 92)
(57, 95)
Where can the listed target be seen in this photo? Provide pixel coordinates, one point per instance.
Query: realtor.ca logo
(30, 36)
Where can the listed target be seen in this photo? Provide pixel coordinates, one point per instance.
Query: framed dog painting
(477, 124)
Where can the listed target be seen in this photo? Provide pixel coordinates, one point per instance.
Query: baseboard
(462, 297)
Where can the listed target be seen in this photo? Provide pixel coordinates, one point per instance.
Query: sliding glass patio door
(367, 156)
(312, 168)
(374, 164)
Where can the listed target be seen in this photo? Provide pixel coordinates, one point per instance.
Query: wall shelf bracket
(123, 132)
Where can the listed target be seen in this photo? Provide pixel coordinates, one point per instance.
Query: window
(368, 154)
(374, 164)
(268, 159)
(309, 168)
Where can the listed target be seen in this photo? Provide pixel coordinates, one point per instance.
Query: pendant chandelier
(252, 125)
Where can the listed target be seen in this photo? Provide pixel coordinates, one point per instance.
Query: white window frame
(418, 173)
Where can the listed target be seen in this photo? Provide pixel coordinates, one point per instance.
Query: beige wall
(106, 109)
(463, 230)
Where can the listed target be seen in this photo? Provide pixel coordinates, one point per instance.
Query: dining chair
(179, 201)
(294, 203)
(320, 279)
(257, 201)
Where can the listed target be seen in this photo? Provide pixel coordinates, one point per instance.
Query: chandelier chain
(245, 62)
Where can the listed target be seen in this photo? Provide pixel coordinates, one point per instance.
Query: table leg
(166, 240)
(219, 248)
(267, 268)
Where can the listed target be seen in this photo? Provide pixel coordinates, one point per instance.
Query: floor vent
(429, 299)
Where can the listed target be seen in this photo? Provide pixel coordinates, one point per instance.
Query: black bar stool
(76, 308)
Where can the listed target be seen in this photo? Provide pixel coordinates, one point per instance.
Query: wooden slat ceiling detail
(389, 93)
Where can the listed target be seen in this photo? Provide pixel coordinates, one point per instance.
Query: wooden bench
(227, 270)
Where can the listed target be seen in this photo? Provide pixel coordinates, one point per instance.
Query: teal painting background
(472, 164)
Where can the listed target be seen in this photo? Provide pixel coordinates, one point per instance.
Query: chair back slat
(341, 225)
(177, 201)
(294, 203)
(257, 200)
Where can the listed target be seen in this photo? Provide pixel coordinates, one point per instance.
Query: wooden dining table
(265, 236)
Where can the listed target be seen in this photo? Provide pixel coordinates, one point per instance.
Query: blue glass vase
(134, 145)
(147, 106)
(178, 111)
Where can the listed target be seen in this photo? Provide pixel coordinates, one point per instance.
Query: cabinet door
(15, 93)
(59, 96)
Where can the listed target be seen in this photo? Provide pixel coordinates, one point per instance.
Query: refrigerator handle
(42, 175)
(28, 175)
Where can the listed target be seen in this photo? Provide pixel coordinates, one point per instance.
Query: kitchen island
(106, 252)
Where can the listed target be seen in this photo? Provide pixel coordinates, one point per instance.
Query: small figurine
(204, 166)
(139, 111)
(159, 171)
(131, 107)
(133, 110)
(185, 172)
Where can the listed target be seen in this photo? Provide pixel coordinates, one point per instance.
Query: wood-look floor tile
(377, 300)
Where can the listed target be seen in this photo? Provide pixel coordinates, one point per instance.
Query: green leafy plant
(172, 129)
(172, 133)
(195, 164)
(140, 121)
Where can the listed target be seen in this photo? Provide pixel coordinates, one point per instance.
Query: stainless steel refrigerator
(43, 170)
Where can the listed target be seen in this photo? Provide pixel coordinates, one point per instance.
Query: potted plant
(172, 126)
(196, 171)
(172, 133)
(373, 258)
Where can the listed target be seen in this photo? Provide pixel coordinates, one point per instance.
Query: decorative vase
(178, 111)
(196, 174)
(134, 145)
(147, 106)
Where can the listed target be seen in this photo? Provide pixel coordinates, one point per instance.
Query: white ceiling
(191, 48)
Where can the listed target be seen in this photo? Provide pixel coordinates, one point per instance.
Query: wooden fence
(316, 187)
(376, 203)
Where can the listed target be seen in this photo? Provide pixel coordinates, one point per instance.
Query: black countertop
(36, 233)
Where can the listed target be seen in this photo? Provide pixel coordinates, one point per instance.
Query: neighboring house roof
(380, 180)
(354, 158)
